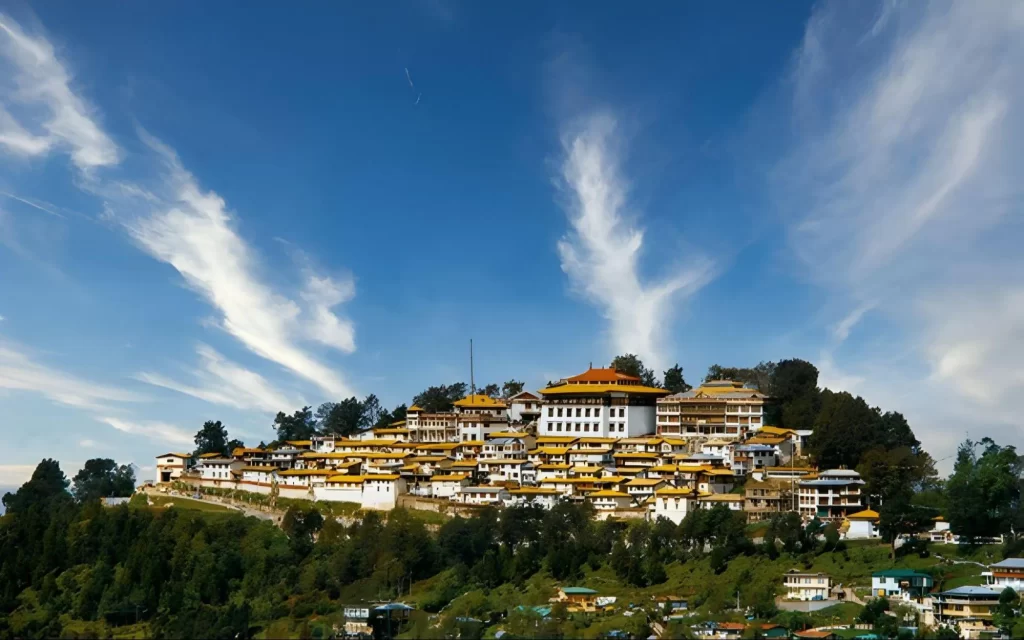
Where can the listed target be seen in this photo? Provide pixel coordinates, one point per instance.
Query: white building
(862, 525)
(170, 466)
(746, 458)
(806, 586)
(673, 504)
(832, 495)
(610, 500)
(544, 497)
(447, 486)
(431, 427)
(381, 491)
(503, 449)
(482, 495)
(217, 471)
(733, 501)
(524, 407)
(598, 402)
(508, 470)
(258, 479)
(717, 409)
(1008, 573)
(642, 488)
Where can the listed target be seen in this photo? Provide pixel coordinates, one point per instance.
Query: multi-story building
(831, 495)
(746, 458)
(905, 583)
(431, 427)
(673, 503)
(599, 402)
(766, 498)
(806, 586)
(716, 409)
(1008, 573)
(170, 466)
(524, 407)
(969, 608)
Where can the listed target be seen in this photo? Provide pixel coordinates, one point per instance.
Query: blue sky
(221, 211)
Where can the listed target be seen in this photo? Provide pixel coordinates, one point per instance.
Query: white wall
(339, 493)
(640, 421)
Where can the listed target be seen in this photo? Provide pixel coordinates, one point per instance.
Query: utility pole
(472, 382)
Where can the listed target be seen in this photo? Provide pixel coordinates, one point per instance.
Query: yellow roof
(572, 481)
(397, 423)
(541, 491)
(611, 480)
(465, 463)
(586, 469)
(427, 458)
(609, 493)
(453, 477)
(382, 476)
(440, 446)
(472, 443)
(718, 472)
(555, 439)
(307, 472)
(673, 491)
(174, 455)
(414, 408)
(299, 443)
(555, 466)
(715, 387)
(506, 434)
(342, 478)
(778, 431)
(209, 455)
(551, 451)
(723, 497)
(480, 400)
(867, 514)
(644, 482)
(635, 454)
(592, 389)
(629, 471)
(590, 451)
(597, 440)
(664, 468)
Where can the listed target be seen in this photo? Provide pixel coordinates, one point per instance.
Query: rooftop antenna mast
(472, 383)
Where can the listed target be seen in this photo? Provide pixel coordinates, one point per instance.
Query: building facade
(599, 402)
(716, 409)
(832, 495)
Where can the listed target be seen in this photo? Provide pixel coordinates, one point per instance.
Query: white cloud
(19, 372)
(322, 294)
(224, 382)
(601, 252)
(14, 475)
(904, 188)
(38, 83)
(87, 444)
(841, 331)
(159, 431)
(192, 231)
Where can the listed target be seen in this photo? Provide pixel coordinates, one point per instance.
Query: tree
(1005, 615)
(793, 388)
(399, 413)
(212, 438)
(47, 483)
(984, 492)
(888, 472)
(631, 364)
(674, 381)
(298, 426)
(440, 398)
(374, 415)
(492, 390)
(102, 477)
(898, 516)
(512, 388)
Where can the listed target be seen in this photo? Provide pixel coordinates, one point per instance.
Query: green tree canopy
(48, 483)
(984, 491)
(674, 380)
(212, 438)
(511, 388)
(631, 364)
(299, 426)
(440, 398)
(102, 477)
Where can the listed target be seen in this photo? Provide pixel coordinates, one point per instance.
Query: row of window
(584, 412)
(612, 427)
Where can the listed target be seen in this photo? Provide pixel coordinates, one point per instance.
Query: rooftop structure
(716, 409)
(598, 402)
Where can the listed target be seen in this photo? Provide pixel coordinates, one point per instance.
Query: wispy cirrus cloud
(903, 188)
(193, 231)
(50, 113)
(19, 371)
(170, 217)
(601, 252)
(159, 431)
(221, 381)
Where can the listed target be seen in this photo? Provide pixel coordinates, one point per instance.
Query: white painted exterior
(381, 492)
(444, 488)
(525, 402)
(522, 497)
(482, 495)
(672, 504)
(806, 586)
(170, 466)
(616, 421)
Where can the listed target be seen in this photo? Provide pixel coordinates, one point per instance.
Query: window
(597, 412)
(577, 426)
(559, 412)
(586, 427)
(579, 412)
(622, 412)
(587, 412)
